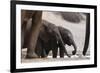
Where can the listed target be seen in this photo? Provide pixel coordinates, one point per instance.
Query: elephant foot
(43, 56)
(69, 56)
(74, 52)
(54, 57)
(29, 56)
(62, 57)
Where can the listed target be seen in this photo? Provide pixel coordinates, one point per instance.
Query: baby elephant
(48, 40)
(51, 44)
(67, 38)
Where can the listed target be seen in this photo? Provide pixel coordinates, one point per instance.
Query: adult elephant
(48, 39)
(29, 33)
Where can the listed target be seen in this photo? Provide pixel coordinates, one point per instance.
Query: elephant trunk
(75, 47)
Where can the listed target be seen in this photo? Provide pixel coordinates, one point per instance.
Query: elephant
(49, 38)
(52, 44)
(44, 44)
(29, 32)
(67, 39)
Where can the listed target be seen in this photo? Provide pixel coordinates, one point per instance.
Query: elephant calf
(48, 40)
(67, 38)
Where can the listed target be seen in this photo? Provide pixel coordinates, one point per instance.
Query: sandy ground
(50, 59)
(78, 31)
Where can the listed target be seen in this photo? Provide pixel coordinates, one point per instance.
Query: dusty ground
(50, 59)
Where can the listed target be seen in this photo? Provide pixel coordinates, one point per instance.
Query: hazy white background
(5, 36)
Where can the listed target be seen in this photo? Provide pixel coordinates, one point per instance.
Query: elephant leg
(61, 52)
(47, 52)
(38, 48)
(55, 51)
(22, 39)
(63, 49)
(43, 53)
(23, 33)
(33, 35)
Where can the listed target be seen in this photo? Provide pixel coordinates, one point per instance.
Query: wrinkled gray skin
(49, 38)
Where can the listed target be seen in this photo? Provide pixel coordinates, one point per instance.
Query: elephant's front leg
(61, 52)
(55, 51)
(43, 53)
(33, 34)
